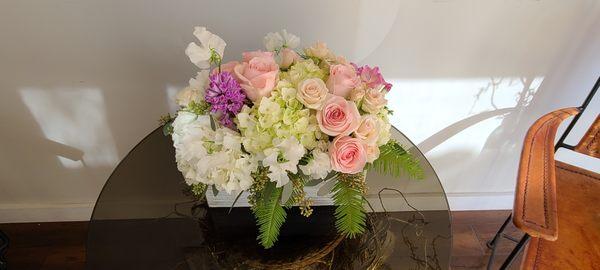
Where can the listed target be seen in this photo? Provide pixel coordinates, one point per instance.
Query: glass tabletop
(145, 218)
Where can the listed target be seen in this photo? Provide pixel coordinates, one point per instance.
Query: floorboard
(61, 245)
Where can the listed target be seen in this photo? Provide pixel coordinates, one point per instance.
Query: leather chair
(557, 205)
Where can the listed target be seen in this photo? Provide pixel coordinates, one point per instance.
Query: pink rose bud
(374, 100)
(287, 57)
(342, 79)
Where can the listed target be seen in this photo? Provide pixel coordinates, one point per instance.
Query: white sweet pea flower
(274, 41)
(212, 157)
(195, 91)
(200, 55)
(318, 167)
(283, 158)
(200, 82)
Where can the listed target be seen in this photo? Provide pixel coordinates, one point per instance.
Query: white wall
(86, 80)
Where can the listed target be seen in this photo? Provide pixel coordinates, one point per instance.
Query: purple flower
(225, 97)
(371, 77)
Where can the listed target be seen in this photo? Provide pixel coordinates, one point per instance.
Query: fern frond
(394, 160)
(270, 215)
(349, 212)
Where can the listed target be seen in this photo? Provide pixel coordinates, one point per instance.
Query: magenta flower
(225, 97)
(372, 77)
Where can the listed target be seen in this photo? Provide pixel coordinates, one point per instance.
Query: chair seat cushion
(578, 205)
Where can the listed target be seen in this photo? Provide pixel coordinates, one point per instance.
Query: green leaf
(215, 191)
(168, 129)
(349, 212)
(298, 182)
(394, 160)
(234, 201)
(270, 215)
(286, 194)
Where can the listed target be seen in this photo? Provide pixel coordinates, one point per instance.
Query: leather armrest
(590, 142)
(535, 209)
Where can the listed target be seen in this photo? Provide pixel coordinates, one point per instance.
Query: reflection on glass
(144, 219)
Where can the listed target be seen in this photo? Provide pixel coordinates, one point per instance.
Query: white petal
(273, 41)
(210, 40)
(200, 82)
(291, 40)
(198, 55)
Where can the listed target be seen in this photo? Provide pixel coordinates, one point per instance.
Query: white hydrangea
(200, 55)
(275, 41)
(384, 128)
(195, 91)
(283, 158)
(212, 157)
(319, 166)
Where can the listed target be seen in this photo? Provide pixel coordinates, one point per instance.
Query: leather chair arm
(535, 209)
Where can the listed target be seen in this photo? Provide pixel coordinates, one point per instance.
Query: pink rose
(227, 67)
(368, 130)
(372, 151)
(257, 74)
(319, 50)
(247, 56)
(374, 100)
(347, 155)
(312, 93)
(287, 57)
(338, 116)
(342, 79)
(357, 93)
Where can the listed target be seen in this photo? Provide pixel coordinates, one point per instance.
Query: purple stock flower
(372, 77)
(225, 97)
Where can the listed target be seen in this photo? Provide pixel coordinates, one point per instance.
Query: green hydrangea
(302, 70)
(277, 117)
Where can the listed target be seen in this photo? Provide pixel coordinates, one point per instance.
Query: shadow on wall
(468, 147)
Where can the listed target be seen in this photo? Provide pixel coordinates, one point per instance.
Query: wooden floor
(62, 245)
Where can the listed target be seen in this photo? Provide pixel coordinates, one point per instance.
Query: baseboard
(480, 201)
(16, 213)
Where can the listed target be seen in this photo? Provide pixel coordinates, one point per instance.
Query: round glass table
(146, 218)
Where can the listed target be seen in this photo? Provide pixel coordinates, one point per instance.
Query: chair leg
(513, 254)
(491, 244)
(3, 248)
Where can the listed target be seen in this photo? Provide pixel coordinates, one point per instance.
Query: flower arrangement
(276, 121)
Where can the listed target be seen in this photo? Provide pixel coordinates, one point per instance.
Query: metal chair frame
(492, 244)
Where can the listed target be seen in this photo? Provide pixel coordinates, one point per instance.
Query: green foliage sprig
(299, 195)
(270, 215)
(198, 108)
(394, 160)
(167, 122)
(348, 197)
